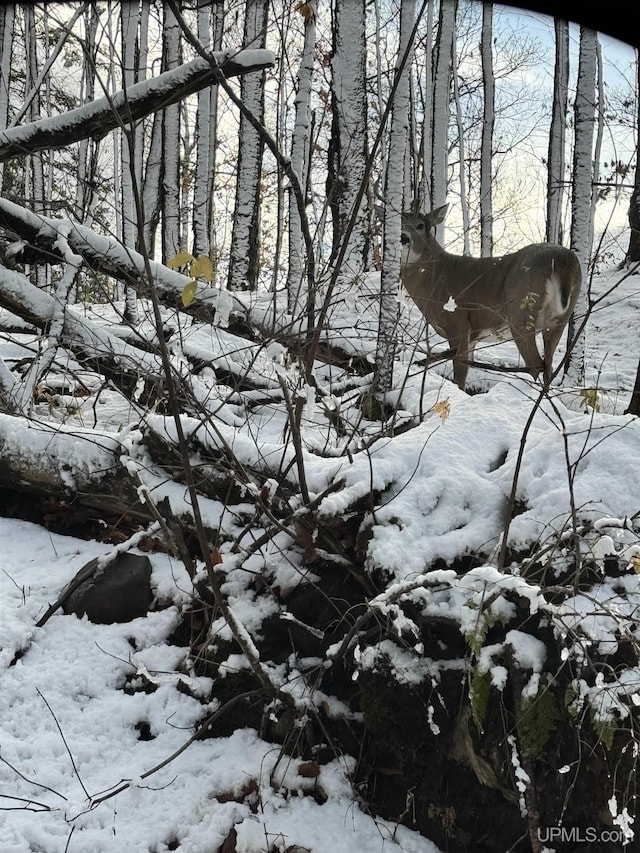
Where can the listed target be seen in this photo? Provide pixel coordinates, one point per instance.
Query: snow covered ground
(78, 742)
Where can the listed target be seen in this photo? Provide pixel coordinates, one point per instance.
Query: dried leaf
(309, 769)
(635, 563)
(202, 268)
(443, 409)
(180, 260)
(189, 293)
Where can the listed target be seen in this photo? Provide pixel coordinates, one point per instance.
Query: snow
(68, 710)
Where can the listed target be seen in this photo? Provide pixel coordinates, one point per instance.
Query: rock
(117, 592)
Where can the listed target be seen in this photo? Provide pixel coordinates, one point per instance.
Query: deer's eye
(420, 226)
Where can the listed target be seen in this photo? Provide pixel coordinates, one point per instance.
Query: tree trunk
(394, 204)
(129, 179)
(425, 196)
(486, 149)
(581, 237)
(557, 135)
(633, 252)
(171, 238)
(464, 205)
(348, 143)
(441, 89)
(243, 255)
(300, 159)
(7, 16)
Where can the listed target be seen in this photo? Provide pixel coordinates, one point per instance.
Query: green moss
(375, 711)
(605, 729)
(479, 691)
(536, 720)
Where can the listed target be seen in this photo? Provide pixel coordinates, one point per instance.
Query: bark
(486, 148)
(581, 235)
(7, 16)
(442, 88)
(243, 255)
(130, 176)
(425, 196)
(557, 136)
(98, 119)
(464, 207)
(88, 148)
(300, 148)
(171, 237)
(633, 252)
(348, 143)
(394, 191)
(208, 33)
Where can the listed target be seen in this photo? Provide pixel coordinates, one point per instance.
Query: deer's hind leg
(525, 340)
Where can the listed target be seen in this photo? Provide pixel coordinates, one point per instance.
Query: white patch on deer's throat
(450, 305)
(409, 254)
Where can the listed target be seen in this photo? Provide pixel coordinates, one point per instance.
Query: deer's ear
(439, 214)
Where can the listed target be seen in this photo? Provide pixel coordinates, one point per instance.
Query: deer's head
(418, 234)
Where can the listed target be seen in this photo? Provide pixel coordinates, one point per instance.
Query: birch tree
(441, 91)
(243, 255)
(633, 252)
(394, 204)
(348, 144)
(557, 135)
(130, 178)
(424, 192)
(7, 16)
(581, 235)
(462, 156)
(171, 238)
(300, 155)
(210, 20)
(486, 146)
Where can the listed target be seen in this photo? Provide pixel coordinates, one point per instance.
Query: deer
(468, 299)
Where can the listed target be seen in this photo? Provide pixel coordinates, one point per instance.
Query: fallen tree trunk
(125, 107)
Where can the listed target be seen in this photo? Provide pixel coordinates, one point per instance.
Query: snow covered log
(95, 345)
(103, 254)
(100, 117)
(68, 463)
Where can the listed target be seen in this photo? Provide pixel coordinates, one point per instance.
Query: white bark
(394, 191)
(243, 255)
(7, 16)
(464, 207)
(88, 148)
(348, 148)
(171, 238)
(597, 151)
(486, 149)
(425, 194)
(300, 160)
(130, 181)
(441, 111)
(203, 118)
(557, 135)
(584, 122)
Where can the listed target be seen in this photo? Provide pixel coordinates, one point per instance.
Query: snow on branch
(108, 256)
(126, 106)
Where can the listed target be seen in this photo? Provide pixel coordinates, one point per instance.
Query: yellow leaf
(189, 293)
(202, 268)
(590, 397)
(442, 408)
(635, 562)
(180, 260)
